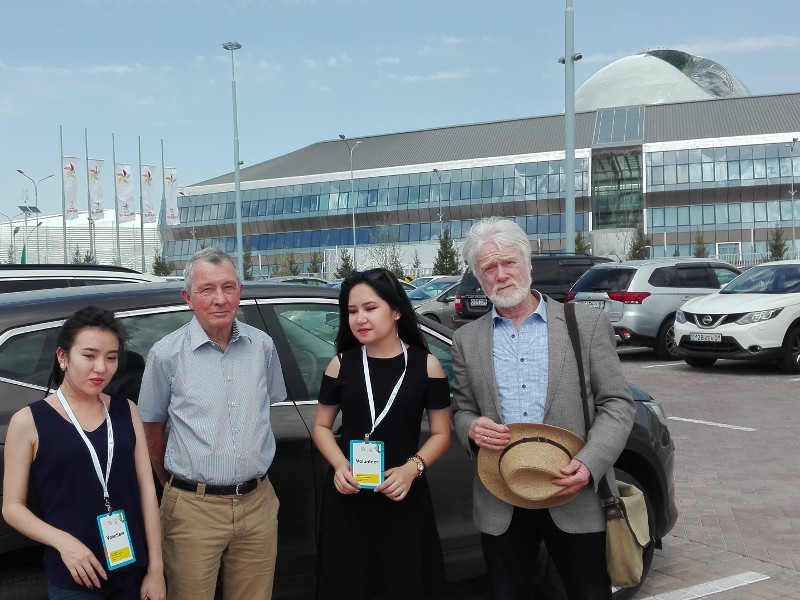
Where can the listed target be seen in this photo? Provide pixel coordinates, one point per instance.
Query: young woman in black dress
(378, 538)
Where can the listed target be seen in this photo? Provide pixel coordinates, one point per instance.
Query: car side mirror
(449, 299)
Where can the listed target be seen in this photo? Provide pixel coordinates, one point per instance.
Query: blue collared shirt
(520, 365)
(217, 403)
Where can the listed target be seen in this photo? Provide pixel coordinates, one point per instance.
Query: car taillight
(569, 296)
(458, 302)
(628, 297)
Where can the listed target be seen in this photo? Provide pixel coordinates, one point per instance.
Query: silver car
(641, 297)
(440, 307)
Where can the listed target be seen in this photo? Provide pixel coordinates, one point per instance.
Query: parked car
(303, 321)
(24, 278)
(551, 274)
(433, 288)
(755, 317)
(337, 284)
(303, 279)
(641, 297)
(440, 308)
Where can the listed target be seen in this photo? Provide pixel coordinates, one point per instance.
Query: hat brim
(489, 465)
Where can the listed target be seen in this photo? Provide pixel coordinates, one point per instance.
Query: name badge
(116, 539)
(366, 458)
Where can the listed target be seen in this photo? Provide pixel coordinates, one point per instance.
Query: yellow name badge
(116, 539)
(366, 459)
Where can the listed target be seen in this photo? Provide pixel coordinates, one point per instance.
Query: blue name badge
(116, 539)
(366, 460)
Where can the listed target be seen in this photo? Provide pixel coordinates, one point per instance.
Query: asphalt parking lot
(736, 429)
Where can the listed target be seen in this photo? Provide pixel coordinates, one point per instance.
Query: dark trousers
(511, 558)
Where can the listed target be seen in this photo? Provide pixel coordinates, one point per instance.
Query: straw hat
(521, 473)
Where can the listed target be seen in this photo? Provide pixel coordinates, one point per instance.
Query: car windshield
(602, 279)
(766, 279)
(430, 289)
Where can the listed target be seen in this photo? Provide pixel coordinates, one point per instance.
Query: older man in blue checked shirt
(213, 380)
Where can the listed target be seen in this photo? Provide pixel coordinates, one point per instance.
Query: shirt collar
(541, 310)
(198, 336)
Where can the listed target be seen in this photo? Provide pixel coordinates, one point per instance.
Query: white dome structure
(657, 77)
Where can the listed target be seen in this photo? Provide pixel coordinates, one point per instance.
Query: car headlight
(657, 410)
(758, 316)
(680, 317)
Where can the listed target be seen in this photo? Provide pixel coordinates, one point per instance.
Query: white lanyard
(392, 396)
(95, 460)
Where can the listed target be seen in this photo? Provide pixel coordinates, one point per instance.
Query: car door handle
(685, 298)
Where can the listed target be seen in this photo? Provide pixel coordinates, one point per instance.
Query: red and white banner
(124, 190)
(148, 214)
(95, 167)
(171, 196)
(69, 172)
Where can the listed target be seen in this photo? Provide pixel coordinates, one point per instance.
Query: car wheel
(23, 584)
(432, 317)
(665, 342)
(550, 586)
(790, 361)
(699, 363)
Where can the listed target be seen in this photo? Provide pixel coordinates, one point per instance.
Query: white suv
(755, 317)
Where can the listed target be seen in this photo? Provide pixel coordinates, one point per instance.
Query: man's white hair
(502, 233)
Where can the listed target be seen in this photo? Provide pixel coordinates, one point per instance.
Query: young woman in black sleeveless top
(380, 542)
(65, 443)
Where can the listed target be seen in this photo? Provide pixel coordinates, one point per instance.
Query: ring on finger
(486, 438)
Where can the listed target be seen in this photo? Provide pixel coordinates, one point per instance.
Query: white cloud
(331, 62)
(388, 60)
(440, 76)
(149, 101)
(449, 40)
(745, 44)
(268, 66)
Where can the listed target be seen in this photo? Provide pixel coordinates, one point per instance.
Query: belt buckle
(238, 493)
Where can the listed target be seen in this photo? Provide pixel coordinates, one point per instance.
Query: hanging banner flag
(171, 196)
(69, 167)
(122, 175)
(148, 214)
(95, 167)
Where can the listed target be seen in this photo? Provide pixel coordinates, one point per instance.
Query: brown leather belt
(239, 489)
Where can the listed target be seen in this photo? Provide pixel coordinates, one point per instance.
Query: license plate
(594, 303)
(479, 302)
(705, 337)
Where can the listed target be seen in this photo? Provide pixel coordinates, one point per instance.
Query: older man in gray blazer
(516, 365)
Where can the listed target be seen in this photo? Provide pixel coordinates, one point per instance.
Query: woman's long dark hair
(89, 317)
(387, 286)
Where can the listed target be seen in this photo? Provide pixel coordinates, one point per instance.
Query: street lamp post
(35, 202)
(439, 175)
(233, 46)
(11, 233)
(351, 197)
(28, 237)
(791, 193)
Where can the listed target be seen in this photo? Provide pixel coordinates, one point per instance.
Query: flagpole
(89, 198)
(163, 209)
(116, 202)
(141, 202)
(63, 194)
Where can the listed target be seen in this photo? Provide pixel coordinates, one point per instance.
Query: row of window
(543, 226)
(722, 214)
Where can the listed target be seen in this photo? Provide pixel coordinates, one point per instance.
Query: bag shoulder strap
(572, 328)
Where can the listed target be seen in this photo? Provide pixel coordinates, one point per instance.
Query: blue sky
(311, 69)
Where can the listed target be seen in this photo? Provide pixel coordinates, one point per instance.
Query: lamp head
(16, 230)
(231, 45)
(20, 172)
(341, 136)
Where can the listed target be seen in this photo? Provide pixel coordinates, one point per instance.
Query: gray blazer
(610, 404)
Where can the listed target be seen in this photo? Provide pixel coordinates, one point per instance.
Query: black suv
(303, 320)
(552, 275)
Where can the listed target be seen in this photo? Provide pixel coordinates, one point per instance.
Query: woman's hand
(81, 562)
(343, 479)
(397, 481)
(153, 586)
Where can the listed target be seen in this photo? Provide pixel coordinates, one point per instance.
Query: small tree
(10, 258)
(160, 265)
(777, 246)
(677, 252)
(446, 262)
(699, 249)
(639, 249)
(416, 263)
(384, 250)
(287, 265)
(82, 259)
(345, 264)
(581, 243)
(314, 263)
(247, 262)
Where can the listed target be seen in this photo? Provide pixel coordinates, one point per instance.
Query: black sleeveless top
(72, 496)
(400, 428)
